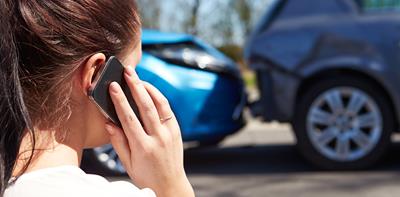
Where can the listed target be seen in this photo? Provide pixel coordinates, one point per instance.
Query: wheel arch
(334, 72)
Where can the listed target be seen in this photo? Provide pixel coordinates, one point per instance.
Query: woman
(50, 52)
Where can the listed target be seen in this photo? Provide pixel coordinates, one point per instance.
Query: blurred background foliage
(379, 4)
(224, 24)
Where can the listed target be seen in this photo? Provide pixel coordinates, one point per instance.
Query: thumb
(120, 144)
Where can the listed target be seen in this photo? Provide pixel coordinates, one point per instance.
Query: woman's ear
(90, 69)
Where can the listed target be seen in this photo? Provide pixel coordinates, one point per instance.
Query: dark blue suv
(332, 69)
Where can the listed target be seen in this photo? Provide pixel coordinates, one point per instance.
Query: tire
(93, 162)
(347, 139)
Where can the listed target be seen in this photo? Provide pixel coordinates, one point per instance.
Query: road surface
(262, 161)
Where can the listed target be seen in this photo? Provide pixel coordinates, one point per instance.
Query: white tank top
(71, 181)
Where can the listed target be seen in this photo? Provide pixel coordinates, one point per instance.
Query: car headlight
(189, 54)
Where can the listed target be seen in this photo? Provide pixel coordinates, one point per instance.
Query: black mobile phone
(112, 71)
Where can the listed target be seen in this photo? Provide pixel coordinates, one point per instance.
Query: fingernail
(131, 72)
(114, 87)
(110, 129)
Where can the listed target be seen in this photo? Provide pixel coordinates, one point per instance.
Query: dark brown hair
(43, 42)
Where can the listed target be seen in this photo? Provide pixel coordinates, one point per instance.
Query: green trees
(222, 23)
(150, 13)
(219, 22)
(381, 4)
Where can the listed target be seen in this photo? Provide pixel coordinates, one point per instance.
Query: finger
(163, 108)
(147, 109)
(129, 121)
(120, 144)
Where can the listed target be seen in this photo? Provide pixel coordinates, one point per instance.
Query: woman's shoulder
(70, 181)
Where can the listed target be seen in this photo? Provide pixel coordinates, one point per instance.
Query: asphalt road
(262, 161)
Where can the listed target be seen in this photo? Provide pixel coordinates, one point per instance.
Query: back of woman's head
(42, 43)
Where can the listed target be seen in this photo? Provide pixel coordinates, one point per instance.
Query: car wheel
(343, 123)
(104, 161)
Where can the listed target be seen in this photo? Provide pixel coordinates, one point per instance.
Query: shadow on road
(266, 159)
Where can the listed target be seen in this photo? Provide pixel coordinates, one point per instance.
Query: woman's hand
(152, 153)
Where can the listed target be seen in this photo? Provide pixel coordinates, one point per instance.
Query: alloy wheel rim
(344, 124)
(109, 158)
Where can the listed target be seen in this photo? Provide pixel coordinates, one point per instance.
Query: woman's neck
(50, 151)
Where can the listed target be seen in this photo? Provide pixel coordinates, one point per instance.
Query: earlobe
(90, 69)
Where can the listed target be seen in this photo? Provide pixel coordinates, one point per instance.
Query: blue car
(332, 71)
(204, 87)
